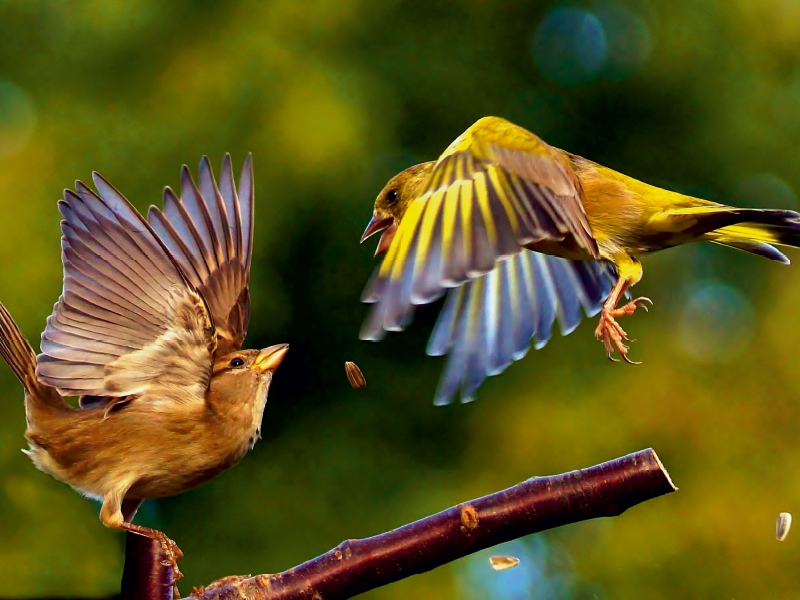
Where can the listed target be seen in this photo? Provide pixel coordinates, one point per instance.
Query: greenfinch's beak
(376, 224)
(269, 358)
(386, 239)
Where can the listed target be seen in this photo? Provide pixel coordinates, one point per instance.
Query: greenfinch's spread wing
(496, 189)
(128, 323)
(489, 322)
(209, 231)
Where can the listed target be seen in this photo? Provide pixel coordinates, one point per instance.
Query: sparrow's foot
(172, 554)
(612, 334)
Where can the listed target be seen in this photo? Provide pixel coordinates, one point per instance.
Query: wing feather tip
(442, 400)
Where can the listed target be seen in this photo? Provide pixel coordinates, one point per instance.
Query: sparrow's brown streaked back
(147, 333)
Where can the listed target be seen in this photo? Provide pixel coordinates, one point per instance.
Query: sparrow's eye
(237, 362)
(391, 196)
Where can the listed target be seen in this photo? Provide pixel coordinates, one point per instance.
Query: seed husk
(783, 526)
(354, 375)
(501, 563)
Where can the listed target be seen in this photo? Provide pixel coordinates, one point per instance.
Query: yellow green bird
(521, 233)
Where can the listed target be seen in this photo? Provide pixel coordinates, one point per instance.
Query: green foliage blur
(333, 97)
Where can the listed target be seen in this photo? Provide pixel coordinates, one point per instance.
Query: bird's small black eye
(237, 362)
(391, 196)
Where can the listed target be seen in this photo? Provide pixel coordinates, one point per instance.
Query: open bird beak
(386, 239)
(269, 358)
(375, 225)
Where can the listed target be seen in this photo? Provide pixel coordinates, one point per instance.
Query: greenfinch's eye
(391, 196)
(237, 362)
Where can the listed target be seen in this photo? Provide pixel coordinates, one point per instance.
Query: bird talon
(612, 334)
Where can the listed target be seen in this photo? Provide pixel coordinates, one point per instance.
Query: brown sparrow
(147, 333)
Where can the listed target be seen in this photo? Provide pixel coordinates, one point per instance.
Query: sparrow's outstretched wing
(128, 322)
(209, 230)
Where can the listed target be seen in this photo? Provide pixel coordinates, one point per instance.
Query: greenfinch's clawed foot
(630, 307)
(612, 334)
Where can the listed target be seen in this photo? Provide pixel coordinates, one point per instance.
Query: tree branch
(146, 575)
(540, 503)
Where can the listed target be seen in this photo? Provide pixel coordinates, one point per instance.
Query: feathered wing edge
(490, 322)
(209, 231)
(125, 305)
(473, 214)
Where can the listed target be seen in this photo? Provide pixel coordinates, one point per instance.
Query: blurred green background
(333, 97)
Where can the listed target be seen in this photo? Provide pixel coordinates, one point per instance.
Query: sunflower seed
(783, 526)
(501, 563)
(354, 375)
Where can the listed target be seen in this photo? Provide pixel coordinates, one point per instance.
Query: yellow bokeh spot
(315, 128)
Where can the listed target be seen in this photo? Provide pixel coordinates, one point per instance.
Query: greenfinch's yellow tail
(758, 234)
(753, 230)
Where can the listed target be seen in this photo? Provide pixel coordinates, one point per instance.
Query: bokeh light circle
(569, 45)
(628, 40)
(545, 571)
(717, 323)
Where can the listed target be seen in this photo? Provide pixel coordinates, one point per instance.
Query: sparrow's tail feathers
(16, 350)
(19, 355)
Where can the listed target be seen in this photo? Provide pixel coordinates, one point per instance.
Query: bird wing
(209, 231)
(489, 322)
(128, 322)
(495, 190)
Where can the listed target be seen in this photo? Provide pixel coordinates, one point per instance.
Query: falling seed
(783, 526)
(354, 375)
(501, 563)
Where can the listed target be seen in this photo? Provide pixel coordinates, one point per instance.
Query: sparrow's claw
(172, 554)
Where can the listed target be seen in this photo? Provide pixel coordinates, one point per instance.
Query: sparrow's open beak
(376, 224)
(269, 358)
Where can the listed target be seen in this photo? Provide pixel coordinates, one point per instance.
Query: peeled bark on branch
(540, 503)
